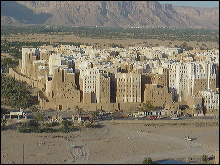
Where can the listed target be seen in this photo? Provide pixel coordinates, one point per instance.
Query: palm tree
(78, 110)
(198, 108)
(14, 93)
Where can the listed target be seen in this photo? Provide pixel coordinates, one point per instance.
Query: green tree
(14, 93)
(78, 110)
(148, 106)
(32, 124)
(189, 48)
(66, 123)
(147, 160)
(33, 108)
(3, 124)
(198, 108)
(205, 158)
(65, 129)
(38, 117)
(183, 45)
(94, 115)
(89, 125)
(65, 126)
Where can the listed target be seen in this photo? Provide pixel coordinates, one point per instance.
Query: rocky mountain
(108, 14)
(6, 20)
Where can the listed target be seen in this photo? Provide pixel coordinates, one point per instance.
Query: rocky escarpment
(115, 14)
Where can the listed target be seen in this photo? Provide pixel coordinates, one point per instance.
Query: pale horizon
(201, 4)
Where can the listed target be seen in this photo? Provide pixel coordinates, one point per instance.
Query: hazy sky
(205, 4)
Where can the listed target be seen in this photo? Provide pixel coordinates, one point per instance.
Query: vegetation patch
(15, 93)
(206, 35)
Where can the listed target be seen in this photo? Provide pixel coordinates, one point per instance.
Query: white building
(211, 100)
(128, 87)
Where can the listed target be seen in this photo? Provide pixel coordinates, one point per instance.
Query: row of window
(123, 79)
(128, 86)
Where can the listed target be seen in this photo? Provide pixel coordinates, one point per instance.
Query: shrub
(24, 130)
(31, 126)
(53, 124)
(65, 129)
(33, 108)
(205, 158)
(48, 125)
(36, 129)
(66, 123)
(48, 130)
(147, 160)
(32, 123)
(97, 125)
(38, 117)
(3, 124)
(89, 125)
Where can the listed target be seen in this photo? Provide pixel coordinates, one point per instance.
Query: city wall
(197, 122)
(30, 81)
(126, 107)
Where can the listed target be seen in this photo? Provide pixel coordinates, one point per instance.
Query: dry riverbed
(116, 142)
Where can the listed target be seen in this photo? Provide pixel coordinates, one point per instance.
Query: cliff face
(113, 14)
(10, 21)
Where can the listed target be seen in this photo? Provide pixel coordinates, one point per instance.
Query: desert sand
(115, 143)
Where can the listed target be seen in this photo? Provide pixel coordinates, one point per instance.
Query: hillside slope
(111, 14)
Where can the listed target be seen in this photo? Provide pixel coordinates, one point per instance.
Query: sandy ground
(102, 41)
(114, 143)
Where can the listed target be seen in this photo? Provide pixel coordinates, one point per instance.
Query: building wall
(61, 86)
(216, 161)
(88, 81)
(103, 88)
(26, 53)
(199, 85)
(128, 87)
(87, 97)
(55, 71)
(158, 95)
(186, 79)
(193, 101)
(172, 106)
(213, 84)
(211, 100)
